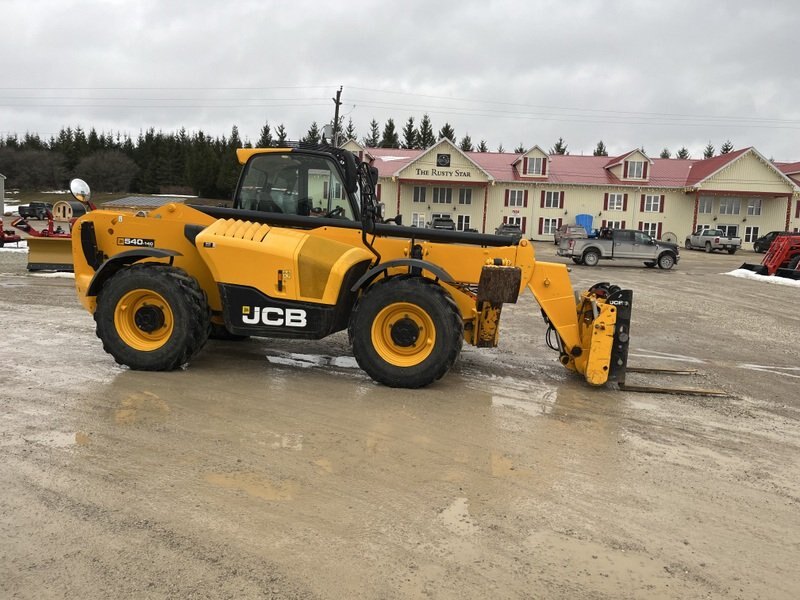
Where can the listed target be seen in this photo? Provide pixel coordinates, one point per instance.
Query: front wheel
(152, 317)
(666, 261)
(406, 332)
(591, 258)
(687, 244)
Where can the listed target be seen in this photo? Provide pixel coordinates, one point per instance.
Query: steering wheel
(335, 212)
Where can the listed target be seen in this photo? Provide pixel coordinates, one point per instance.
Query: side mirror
(381, 211)
(80, 189)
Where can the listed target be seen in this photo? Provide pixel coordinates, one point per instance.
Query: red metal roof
(578, 170)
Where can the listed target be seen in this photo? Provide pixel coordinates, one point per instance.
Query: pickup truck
(35, 210)
(620, 244)
(712, 239)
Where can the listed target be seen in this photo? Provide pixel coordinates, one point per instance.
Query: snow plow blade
(50, 254)
(757, 269)
(788, 273)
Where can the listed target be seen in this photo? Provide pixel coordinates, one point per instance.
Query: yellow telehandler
(305, 252)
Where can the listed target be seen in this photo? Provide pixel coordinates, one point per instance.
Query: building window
(703, 227)
(650, 229)
(731, 230)
(751, 234)
(465, 196)
(337, 190)
(549, 226)
(418, 219)
(419, 193)
(552, 199)
(754, 206)
(729, 206)
(635, 169)
(534, 166)
(616, 202)
(516, 198)
(615, 224)
(652, 203)
(442, 195)
(705, 205)
(463, 222)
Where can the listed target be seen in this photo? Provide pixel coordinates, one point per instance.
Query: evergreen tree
(500, 149)
(482, 147)
(265, 139)
(410, 135)
(280, 131)
(466, 144)
(229, 168)
(709, 150)
(447, 132)
(682, 153)
(600, 150)
(313, 136)
(665, 153)
(390, 138)
(726, 147)
(374, 137)
(350, 132)
(559, 147)
(519, 149)
(426, 138)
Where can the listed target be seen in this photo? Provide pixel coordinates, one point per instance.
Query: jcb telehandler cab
(304, 252)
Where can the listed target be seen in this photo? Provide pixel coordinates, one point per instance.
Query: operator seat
(265, 201)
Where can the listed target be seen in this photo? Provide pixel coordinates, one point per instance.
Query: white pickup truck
(712, 239)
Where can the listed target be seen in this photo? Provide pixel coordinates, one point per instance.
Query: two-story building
(741, 192)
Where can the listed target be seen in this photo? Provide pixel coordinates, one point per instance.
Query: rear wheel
(591, 258)
(406, 332)
(708, 246)
(731, 250)
(152, 317)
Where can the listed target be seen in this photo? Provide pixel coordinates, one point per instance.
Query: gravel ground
(274, 469)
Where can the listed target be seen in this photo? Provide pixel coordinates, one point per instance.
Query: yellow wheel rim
(143, 320)
(403, 334)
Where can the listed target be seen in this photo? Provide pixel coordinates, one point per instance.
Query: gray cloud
(630, 73)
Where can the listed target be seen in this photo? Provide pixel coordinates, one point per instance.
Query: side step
(714, 392)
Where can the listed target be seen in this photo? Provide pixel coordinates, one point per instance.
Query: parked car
(763, 243)
(443, 223)
(509, 229)
(35, 210)
(713, 239)
(620, 244)
(576, 231)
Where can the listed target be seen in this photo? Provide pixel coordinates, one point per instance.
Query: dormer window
(535, 166)
(635, 169)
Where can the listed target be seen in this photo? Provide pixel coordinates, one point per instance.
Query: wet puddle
(254, 485)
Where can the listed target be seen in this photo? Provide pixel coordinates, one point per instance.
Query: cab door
(624, 246)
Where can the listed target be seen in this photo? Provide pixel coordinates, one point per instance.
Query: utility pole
(338, 102)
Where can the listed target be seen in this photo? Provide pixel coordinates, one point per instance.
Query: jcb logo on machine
(139, 242)
(268, 315)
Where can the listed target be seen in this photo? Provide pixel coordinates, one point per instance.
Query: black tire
(793, 262)
(666, 261)
(152, 317)
(687, 244)
(380, 347)
(649, 264)
(731, 250)
(708, 247)
(757, 248)
(591, 258)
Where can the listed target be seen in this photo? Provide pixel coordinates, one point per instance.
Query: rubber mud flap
(623, 301)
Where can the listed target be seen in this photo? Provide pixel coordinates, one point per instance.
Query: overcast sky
(634, 74)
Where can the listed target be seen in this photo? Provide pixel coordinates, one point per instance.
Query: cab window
(294, 184)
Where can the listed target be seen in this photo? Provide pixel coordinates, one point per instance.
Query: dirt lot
(275, 469)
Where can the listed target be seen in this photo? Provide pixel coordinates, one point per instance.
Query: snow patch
(54, 274)
(745, 274)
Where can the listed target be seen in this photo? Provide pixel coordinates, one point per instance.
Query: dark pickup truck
(617, 244)
(35, 210)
